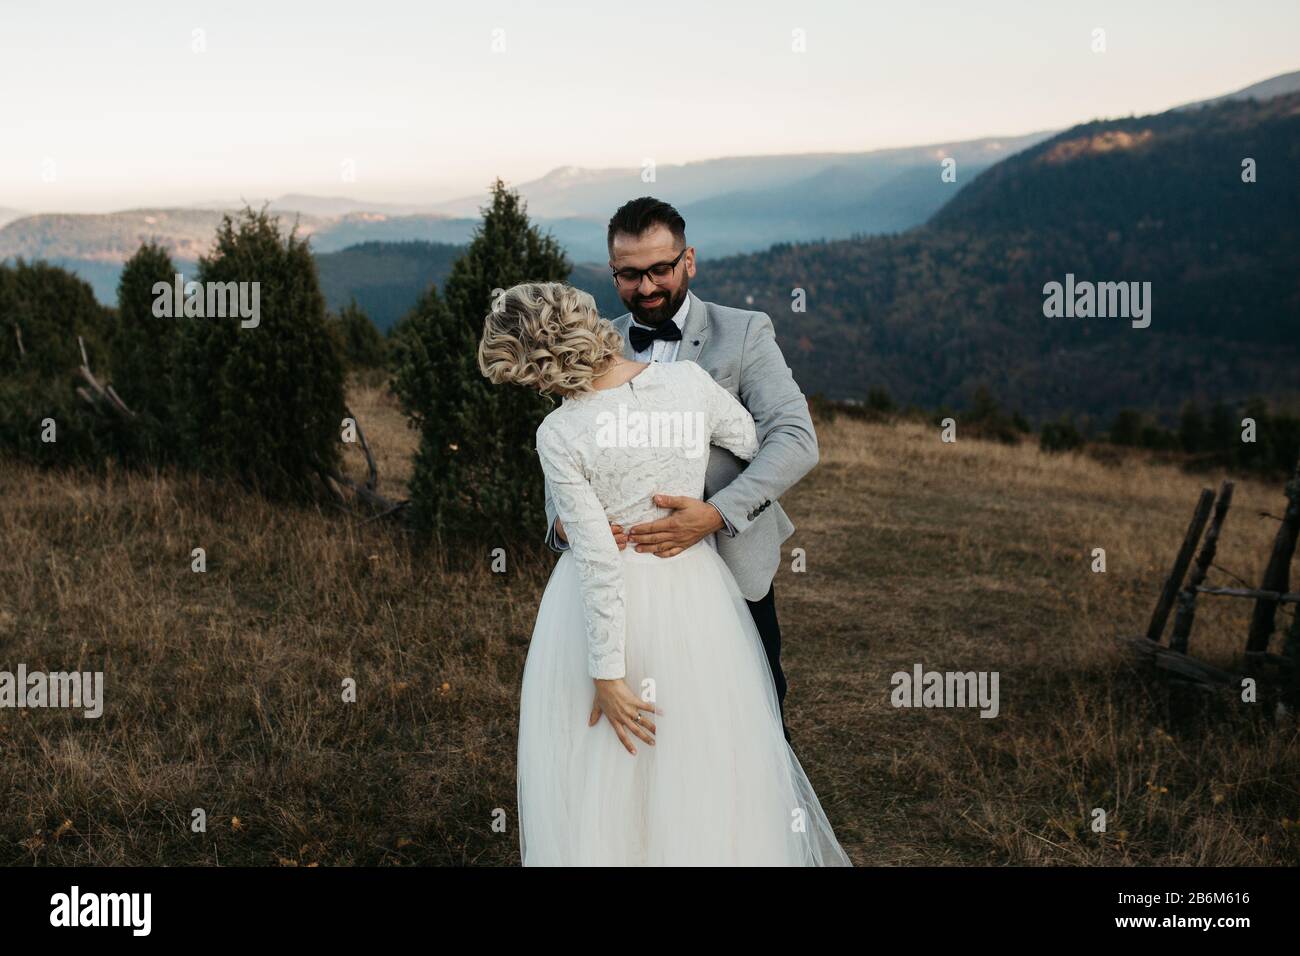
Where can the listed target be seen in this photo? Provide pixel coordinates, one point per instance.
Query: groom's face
(652, 301)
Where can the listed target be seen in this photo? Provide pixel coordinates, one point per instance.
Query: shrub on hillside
(475, 475)
(879, 400)
(360, 343)
(986, 419)
(44, 309)
(1059, 436)
(262, 403)
(46, 315)
(143, 352)
(1127, 428)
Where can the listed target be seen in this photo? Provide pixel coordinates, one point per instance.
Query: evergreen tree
(878, 400)
(1192, 431)
(263, 403)
(143, 349)
(1259, 453)
(360, 342)
(1223, 434)
(1127, 428)
(1059, 436)
(475, 475)
(44, 311)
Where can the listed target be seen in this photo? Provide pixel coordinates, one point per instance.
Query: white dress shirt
(660, 350)
(664, 351)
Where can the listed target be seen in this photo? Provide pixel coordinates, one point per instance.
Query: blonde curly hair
(546, 335)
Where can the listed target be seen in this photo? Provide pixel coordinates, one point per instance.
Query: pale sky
(109, 105)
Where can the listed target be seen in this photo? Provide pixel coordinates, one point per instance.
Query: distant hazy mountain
(572, 191)
(1267, 89)
(324, 207)
(732, 205)
(741, 204)
(9, 215)
(385, 278)
(96, 246)
(359, 227)
(333, 206)
(111, 237)
(934, 312)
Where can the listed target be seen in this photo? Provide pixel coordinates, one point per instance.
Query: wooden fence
(1182, 589)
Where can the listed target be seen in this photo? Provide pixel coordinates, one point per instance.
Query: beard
(656, 315)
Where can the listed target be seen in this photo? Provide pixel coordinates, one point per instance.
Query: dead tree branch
(99, 394)
(367, 492)
(372, 472)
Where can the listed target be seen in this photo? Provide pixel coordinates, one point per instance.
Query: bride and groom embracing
(661, 601)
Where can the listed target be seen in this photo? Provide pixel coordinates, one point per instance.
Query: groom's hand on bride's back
(620, 536)
(691, 521)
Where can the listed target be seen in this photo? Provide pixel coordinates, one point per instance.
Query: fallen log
(1179, 663)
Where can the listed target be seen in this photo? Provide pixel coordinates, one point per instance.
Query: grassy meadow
(224, 689)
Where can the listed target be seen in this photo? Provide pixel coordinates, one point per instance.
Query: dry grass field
(224, 688)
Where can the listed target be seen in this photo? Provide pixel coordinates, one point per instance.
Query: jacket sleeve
(787, 442)
(600, 566)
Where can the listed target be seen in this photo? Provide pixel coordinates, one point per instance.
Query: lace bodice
(606, 454)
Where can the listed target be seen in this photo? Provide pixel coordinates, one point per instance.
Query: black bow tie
(642, 338)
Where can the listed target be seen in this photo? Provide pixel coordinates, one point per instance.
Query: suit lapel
(695, 333)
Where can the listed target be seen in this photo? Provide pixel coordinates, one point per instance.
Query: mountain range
(734, 205)
(879, 273)
(1198, 207)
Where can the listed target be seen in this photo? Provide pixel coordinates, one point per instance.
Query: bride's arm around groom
(788, 450)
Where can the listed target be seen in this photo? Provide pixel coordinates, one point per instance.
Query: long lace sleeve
(600, 567)
(730, 424)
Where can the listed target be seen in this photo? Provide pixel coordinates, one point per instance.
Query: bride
(680, 759)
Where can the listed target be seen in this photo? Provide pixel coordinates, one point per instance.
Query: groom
(652, 268)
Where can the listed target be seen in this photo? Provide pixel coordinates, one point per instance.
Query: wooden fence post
(1278, 573)
(1187, 597)
(1175, 582)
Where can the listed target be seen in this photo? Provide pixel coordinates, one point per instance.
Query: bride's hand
(616, 701)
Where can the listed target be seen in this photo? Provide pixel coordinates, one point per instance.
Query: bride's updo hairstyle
(548, 336)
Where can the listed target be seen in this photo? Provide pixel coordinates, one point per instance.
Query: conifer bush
(46, 315)
(262, 403)
(476, 475)
(143, 353)
(360, 342)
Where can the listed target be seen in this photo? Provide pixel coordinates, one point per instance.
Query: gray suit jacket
(738, 348)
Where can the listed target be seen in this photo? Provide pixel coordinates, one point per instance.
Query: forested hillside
(384, 278)
(933, 313)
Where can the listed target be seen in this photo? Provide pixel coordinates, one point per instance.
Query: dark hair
(635, 217)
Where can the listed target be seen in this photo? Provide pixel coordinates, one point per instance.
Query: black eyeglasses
(629, 278)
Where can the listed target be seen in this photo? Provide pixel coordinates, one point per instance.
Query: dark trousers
(769, 629)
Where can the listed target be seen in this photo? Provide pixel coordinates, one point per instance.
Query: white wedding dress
(721, 786)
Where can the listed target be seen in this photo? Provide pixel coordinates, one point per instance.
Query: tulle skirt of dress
(721, 786)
